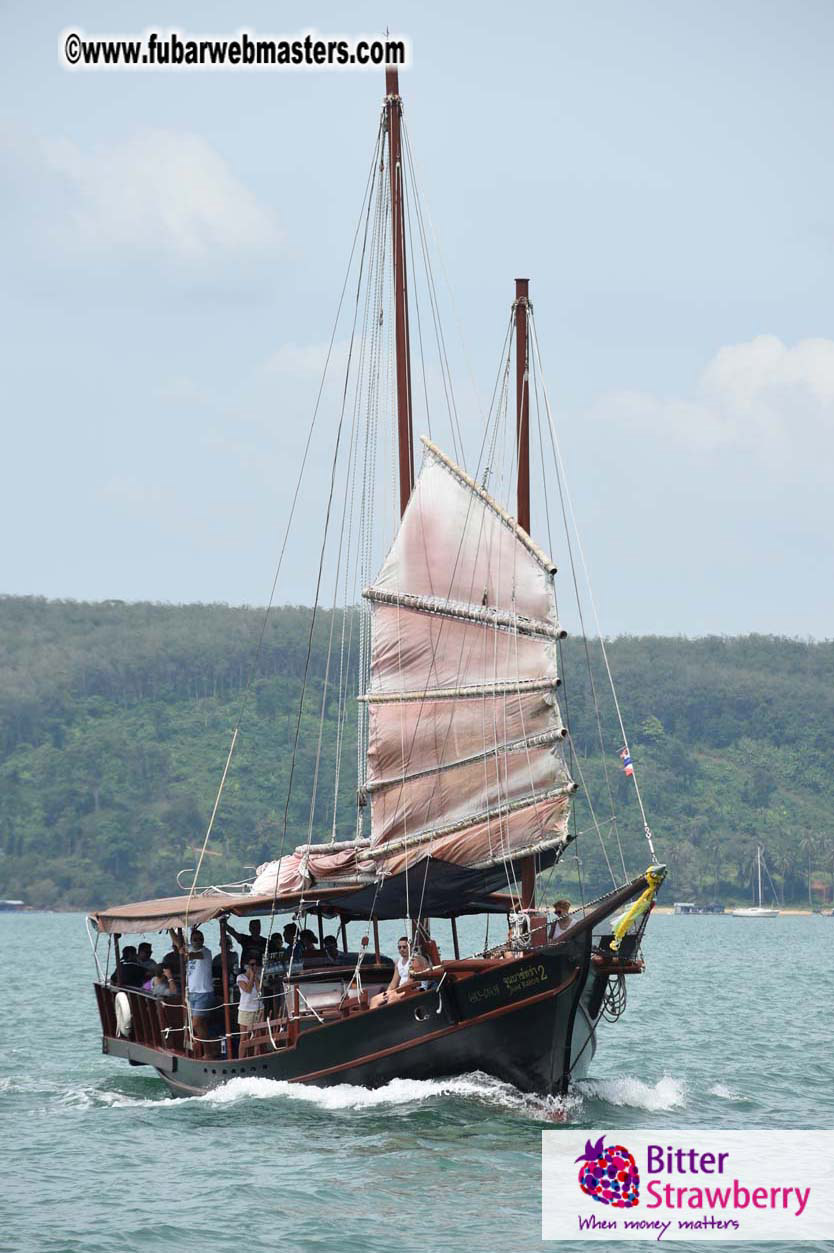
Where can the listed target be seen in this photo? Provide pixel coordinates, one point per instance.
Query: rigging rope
(557, 451)
(578, 599)
(445, 371)
(270, 602)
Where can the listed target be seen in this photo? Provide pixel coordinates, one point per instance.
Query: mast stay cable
(305, 456)
(558, 455)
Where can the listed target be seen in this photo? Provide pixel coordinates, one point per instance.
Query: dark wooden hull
(521, 1022)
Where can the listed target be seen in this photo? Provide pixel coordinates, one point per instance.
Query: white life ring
(124, 1018)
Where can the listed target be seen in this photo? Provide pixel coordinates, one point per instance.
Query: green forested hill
(115, 721)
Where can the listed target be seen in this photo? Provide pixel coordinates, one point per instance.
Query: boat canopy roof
(139, 917)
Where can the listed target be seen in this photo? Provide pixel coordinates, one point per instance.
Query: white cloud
(762, 396)
(164, 190)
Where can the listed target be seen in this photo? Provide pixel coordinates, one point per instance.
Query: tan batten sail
(463, 604)
(465, 761)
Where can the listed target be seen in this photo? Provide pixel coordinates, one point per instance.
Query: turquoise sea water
(730, 1027)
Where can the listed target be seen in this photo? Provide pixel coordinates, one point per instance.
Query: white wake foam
(476, 1086)
(667, 1093)
(121, 1100)
(726, 1094)
(339, 1096)
(397, 1092)
(624, 1091)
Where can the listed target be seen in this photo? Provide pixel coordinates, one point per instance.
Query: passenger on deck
(231, 961)
(407, 965)
(159, 983)
(251, 945)
(294, 955)
(425, 945)
(425, 954)
(308, 940)
(145, 959)
(250, 1000)
(170, 972)
(331, 953)
(562, 920)
(171, 959)
(274, 968)
(130, 973)
(275, 956)
(199, 983)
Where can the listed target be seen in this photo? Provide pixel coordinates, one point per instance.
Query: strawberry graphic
(609, 1175)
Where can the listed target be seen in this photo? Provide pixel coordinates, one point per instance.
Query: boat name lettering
(484, 994)
(524, 978)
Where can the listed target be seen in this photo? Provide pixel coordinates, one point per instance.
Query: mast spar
(759, 867)
(522, 395)
(405, 433)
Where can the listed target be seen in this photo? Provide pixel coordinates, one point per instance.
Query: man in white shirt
(407, 965)
(199, 982)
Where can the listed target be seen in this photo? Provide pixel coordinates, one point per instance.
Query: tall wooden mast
(522, 398)
(522, 429)
(405, 433)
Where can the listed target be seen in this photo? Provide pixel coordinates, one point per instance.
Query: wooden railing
(156, 1023)
(161, 1024)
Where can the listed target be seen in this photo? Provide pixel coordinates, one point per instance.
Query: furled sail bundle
(465, 762)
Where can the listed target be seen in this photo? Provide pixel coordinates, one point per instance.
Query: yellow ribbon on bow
(654, 878)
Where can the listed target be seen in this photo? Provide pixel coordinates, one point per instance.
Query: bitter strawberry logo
(609, 1175)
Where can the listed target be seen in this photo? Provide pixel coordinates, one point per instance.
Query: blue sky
(173, 247)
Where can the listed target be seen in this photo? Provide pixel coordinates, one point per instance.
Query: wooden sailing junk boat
(468, 790)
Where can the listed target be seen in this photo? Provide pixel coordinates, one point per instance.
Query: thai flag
(628, 765)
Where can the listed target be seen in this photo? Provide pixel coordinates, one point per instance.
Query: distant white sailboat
(756, 911)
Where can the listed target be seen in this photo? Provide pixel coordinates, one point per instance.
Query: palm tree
(714, 850)
(808, 846)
